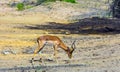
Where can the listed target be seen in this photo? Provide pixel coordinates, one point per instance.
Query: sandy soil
(97, 52)
(97, 45)
(94, 53)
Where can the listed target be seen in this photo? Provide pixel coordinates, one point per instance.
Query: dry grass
(29, 19)
(101, 42)
(15, 43)
(16, 38)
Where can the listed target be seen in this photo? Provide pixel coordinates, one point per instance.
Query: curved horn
(73, 44)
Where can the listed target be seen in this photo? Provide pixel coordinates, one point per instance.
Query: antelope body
(56, 41)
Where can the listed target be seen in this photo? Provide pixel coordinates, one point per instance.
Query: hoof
(32, 58)
(31, 61)
(40, 60)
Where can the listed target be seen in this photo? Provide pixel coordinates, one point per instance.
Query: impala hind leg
(55, 52)
(40, 47)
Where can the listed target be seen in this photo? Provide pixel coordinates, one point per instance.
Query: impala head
(70, 50)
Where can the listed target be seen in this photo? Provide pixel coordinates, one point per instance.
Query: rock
(8, 52)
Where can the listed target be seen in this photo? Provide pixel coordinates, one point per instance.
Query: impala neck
(68, 49)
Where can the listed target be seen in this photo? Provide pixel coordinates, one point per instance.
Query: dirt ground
(97, 46)
(97, 43)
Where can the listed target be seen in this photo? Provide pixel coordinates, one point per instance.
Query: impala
(57, 42)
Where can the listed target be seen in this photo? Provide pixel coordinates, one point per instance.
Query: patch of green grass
(28, 6)
(44, 1)
(71, 1)
(20, 6)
